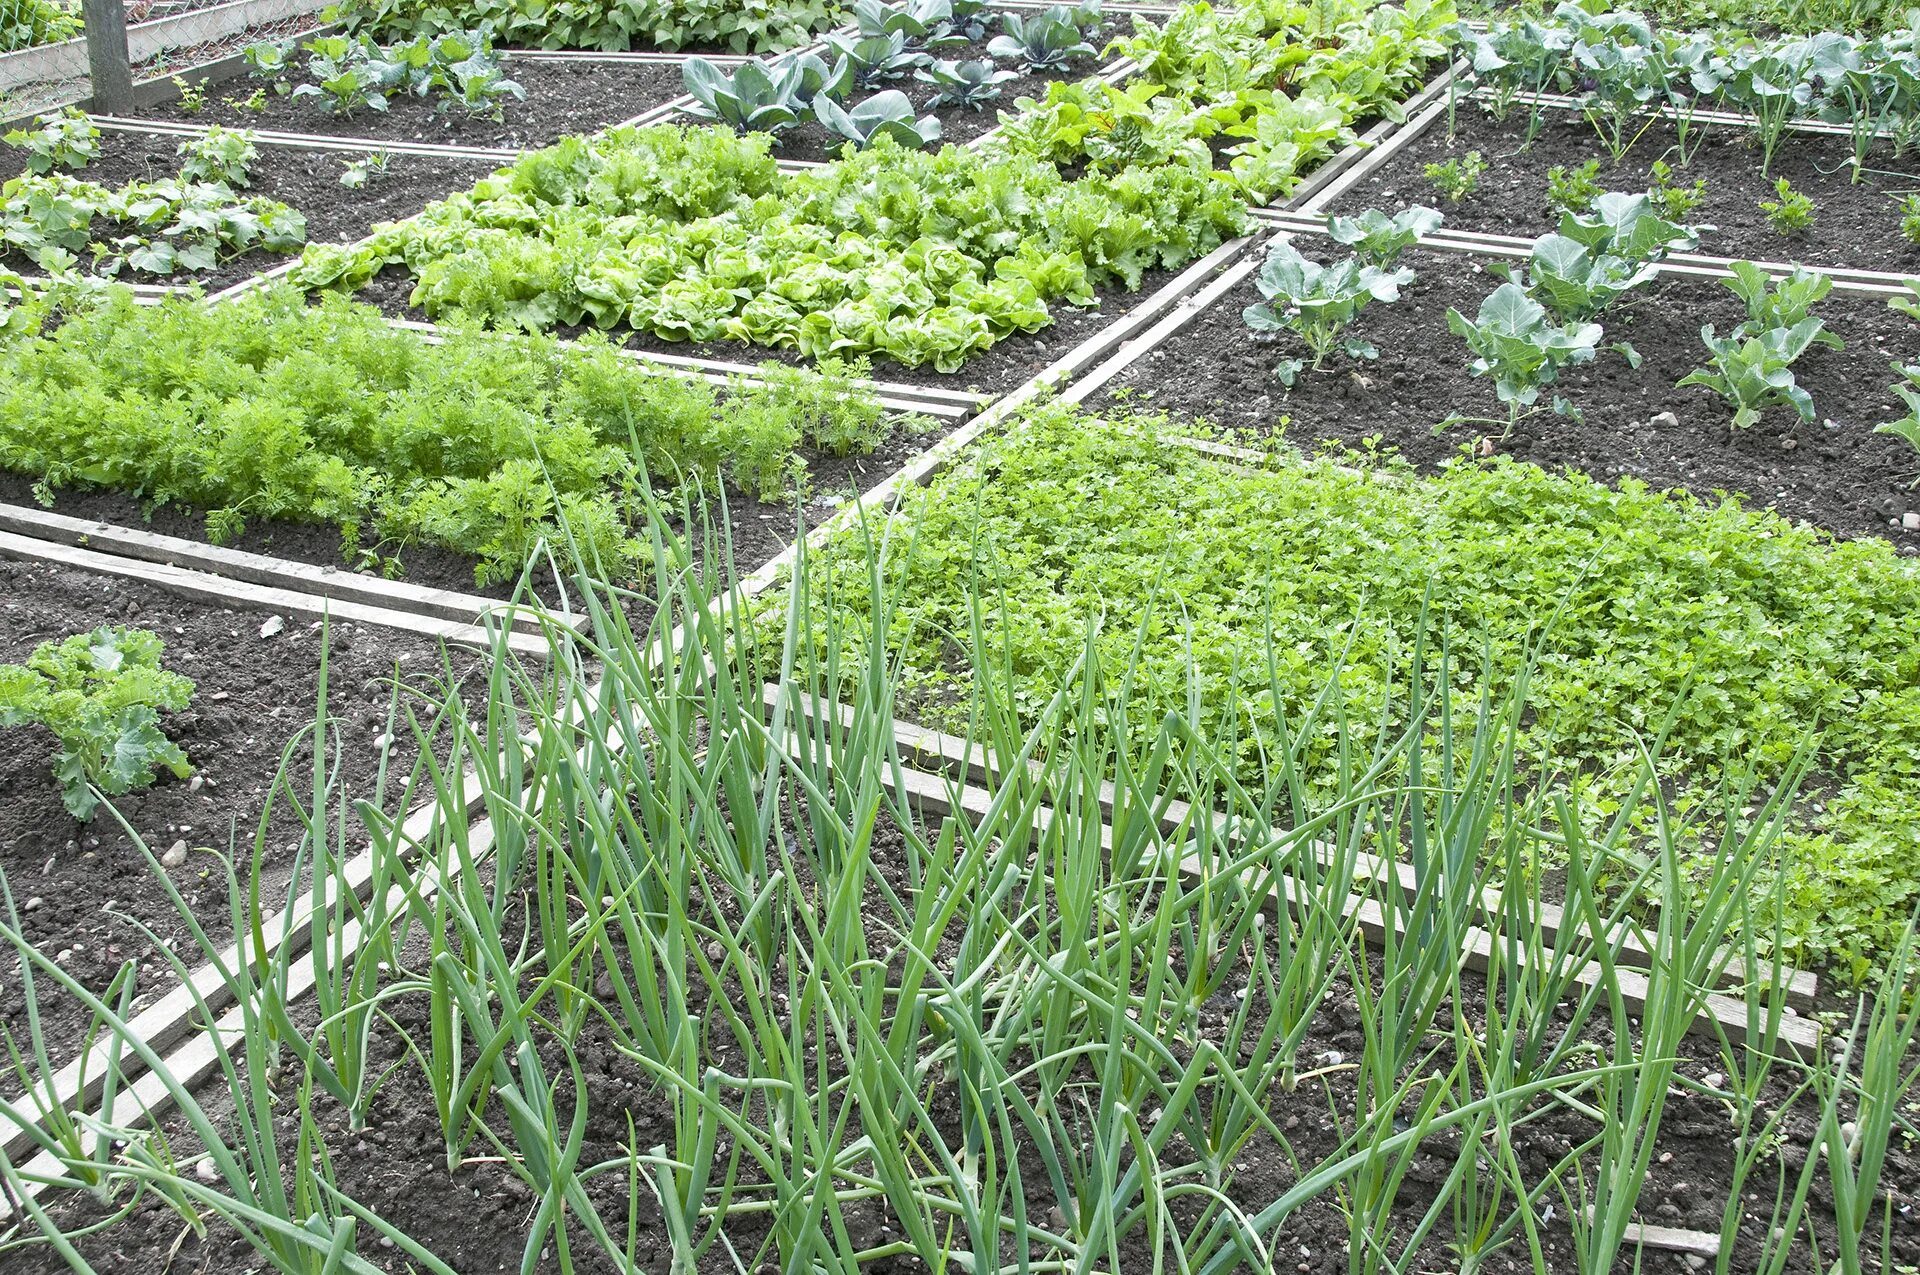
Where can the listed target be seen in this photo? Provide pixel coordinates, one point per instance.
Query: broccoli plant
(66, 140)
(968, 84)
(100, 694)
(1044, 41)
(1599, 256)
(1514, 341)
(1908, 426)
(888, 114)
(1378, 239)
(1781, 303)
(220, 155)
(1754, 371)
(1316, 303)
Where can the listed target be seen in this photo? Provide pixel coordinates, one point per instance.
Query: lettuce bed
(694, 234)
(1750, 631)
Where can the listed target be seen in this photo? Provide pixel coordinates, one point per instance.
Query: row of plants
(1270, 89)
(27, 23)
(458, 68)
(737, 26)
(1622, 68)
(267, 407)
(722, 997)
(1543, 316)
(696, 234)
(1723, 638)
(194, 222)
(892, 43)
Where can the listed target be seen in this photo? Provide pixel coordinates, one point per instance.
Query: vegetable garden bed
(562, 98)
(308, 181)
(1836, 473)
(81, 887)
(1855, 224)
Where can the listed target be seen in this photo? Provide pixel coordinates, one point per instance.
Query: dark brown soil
(563, 97)
(1836, 473)
(252, 696)
(958, 124)
(1001, 367)
(306, 180)
(1855, 225)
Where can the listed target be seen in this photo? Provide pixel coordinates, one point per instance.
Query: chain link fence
(55, 52)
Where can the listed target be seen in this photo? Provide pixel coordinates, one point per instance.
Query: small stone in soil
(175, 856)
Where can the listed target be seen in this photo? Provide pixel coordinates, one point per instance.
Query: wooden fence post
(107, 58)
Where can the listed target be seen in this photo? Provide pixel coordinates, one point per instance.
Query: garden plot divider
(1698, 265)
(307, 141)
(405, 599)
(228, 591)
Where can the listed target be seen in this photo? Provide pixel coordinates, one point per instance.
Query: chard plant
(101, 695)
(1515, 341)
(1316, 303)
(1379, 239)
(67, 139)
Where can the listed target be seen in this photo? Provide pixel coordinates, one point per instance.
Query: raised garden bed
(306, 180)
(77, 883)
(563, 97)
(1855, 225)
(1836, 473)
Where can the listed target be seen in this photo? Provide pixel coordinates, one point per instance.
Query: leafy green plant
(695, 234)
(27, 23)
(756, 97)
(876, 59)
(1753, 371)
(64, 140)
(1574, 189)
(737, 26)
(887, 114)
(1791, 211)
(1514, 341)
(1786, 302)
(1597, 258)
(324, 414)
(1457, 178)
(271, 60)
(101, 695)
(1316, 303)
(192, 97)
(1909, 210)
(170, 225)
(1676, 203)
(1906, 427)
(1046, 41)
(1378, 239)
(219, 155)
(366, 170)
(926, 24)
(968, 84)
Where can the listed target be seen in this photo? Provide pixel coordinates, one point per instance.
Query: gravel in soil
(958, 124)
(77, 883)
(475, 1217)
(1836, 473)
(563, 97)
(1855, 225)
(306, 180)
